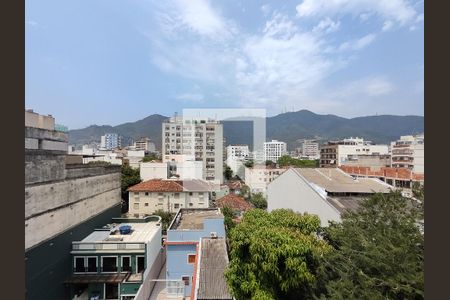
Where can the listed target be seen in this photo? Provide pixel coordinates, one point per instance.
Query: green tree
(249, 163)
(129, 178)
(228, 217)
(286, 161)
(149, 158)
(228, 173)
(274, 255)
(245, 192)
(258, 201)
(166, 218)
(379, 252)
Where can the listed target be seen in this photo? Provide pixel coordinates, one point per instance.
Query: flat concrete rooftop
(193, 218)
(140, 233)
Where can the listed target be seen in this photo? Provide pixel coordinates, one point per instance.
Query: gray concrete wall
(51, 223)
(44, 166)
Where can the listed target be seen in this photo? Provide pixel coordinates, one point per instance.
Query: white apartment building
(110, 141)
(258, 177)
(168, 195)
(167, 170)
(274, 150)
(337, 153)
(310, 149)
(236, 156)
(195, 140)
(409, 152)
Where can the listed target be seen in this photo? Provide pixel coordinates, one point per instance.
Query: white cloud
(265, 9)
(190, 97)
(327, 26)
(367, 87)
(196, 16)
(387, 25)
(358, 44)
(399, 11)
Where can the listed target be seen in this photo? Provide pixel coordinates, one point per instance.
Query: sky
(113, 61)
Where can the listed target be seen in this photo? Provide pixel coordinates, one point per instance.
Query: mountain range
(288, 127)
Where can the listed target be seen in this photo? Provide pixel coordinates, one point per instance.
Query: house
(235, 186)
(168, 195)
(235, 202)
(183, 244)
(323, 192)
(114, 261)
(210, 282)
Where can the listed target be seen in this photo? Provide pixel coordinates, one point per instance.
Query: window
(146, 193)
(176, 205)
(92, 264)
(177, 195)
(191, 258)
(190, 193)
(191, 204)
(109, 264)
(186, 280)
(136, 206)
(126, 264)
(140, 264)
(79, 264)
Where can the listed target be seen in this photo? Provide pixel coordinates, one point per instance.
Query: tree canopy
(129, 178)
(286, 160)
(274, 255)
(379, 252)
(227, 173)
(258, 201)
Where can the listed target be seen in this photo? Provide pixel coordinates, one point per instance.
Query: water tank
(125, 229)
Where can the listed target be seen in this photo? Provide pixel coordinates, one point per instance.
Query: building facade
(62, 202)
(183, 237)
(274, 149)
(258, 177)
(110, 141)
(198, 140)
(336, 153)
(310, 149)
(145, 144)
(114, 261)
(168, 195)
(409, 152)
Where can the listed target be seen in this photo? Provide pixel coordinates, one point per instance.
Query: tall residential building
(110, 141)
(336, 153)
(408, 152)
(274, 150)
(236, 156)
(310, 149)
(63, 202)
(195, 140)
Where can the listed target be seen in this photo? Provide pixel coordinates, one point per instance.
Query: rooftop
(334, 180)
(162, 185)
(192, 218)
(213, 262)
(233, 201)
(141, 232)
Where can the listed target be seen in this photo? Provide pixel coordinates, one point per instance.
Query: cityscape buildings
(110, 141)
(274, 149)
(195, 139)
(409, 152)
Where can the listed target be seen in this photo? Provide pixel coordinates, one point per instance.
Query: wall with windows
(180, 264)
(149, 202)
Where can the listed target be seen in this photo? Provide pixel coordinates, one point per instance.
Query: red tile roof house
(168, 195)
(236, 203)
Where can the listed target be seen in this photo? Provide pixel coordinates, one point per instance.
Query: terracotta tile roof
(233, 201)
(157, 185)
(161, 185)
(234, 185)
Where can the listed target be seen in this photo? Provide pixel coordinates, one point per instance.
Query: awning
(96, 278)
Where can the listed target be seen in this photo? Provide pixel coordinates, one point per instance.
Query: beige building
(168, 195)
(336, 153)
(409, 152)
(259, 176)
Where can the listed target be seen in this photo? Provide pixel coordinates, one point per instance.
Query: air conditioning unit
(213, 235)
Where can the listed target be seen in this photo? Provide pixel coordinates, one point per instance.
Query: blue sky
(111, 61)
